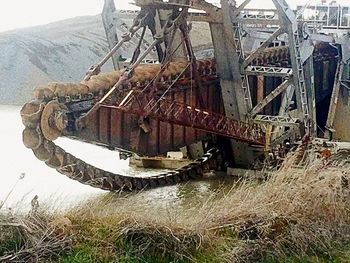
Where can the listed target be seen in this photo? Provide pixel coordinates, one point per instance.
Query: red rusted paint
(104, 125)
(116, 129)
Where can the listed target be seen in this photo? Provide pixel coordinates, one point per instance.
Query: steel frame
(226, 26)
(300, 52)
(173, 112)
(269, 98)
(276, 120)
(269, 71)
(334, 100)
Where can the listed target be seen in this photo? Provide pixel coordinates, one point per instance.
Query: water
(56, 189)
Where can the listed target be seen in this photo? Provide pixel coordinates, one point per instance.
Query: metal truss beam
(257, 16)
(260, 17)
(276, 120)
(127, 14)
(172, 112)
(274, 94)
(264, 45)
(260, 10)
(201, 17)
(258, 22)
(269, 71)
(289, 20)
(237, 31)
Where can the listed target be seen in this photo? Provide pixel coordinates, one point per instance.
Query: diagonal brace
(262, 104)
(241, 7)
(264, 45)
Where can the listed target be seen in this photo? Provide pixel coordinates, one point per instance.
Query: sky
(25, 13)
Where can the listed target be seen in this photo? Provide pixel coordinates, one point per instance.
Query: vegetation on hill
(62, 52)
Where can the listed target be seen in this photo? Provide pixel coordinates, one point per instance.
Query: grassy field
(296, 215)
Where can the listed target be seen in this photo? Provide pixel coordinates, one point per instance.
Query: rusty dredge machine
(276, 79)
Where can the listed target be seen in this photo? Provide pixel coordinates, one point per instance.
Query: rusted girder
(190, 116)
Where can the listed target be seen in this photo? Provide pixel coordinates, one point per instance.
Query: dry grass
(294, 212)
(31, 238)
(294, 209)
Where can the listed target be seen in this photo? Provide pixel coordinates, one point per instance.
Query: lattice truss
(169, 23)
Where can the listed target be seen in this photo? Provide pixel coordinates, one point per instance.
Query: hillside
(60, 51)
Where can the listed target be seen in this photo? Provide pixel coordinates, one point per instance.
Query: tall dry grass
(33, 238)
(294, 212)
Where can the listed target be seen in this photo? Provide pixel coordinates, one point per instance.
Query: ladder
(240, 52)
(300, 77)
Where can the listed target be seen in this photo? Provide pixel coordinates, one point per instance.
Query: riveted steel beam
(227, 60)
(289, 21)
(276, 120)
(269, 71)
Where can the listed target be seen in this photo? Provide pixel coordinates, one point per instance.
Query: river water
(57, 190)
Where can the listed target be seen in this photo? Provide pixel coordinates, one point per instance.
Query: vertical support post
(233, 13)
(311, 96)
(334, 101)
(286, 100)
(325, 80)
(163, 16)
(230, 78)
(284, 109)
(260, 87)
(226, 51)
(110, 27)
(232, 88)
(288, 19)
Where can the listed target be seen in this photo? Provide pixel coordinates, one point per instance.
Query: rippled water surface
(54, 188)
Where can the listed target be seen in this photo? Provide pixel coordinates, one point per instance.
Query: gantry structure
(277, 78)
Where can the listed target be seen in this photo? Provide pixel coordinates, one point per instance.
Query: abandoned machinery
(244, 105)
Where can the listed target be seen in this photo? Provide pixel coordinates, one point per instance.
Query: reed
(295, 214)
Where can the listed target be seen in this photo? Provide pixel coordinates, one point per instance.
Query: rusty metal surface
(153, 109)
(116, 129)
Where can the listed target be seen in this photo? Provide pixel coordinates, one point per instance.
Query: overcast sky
(24, 13)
